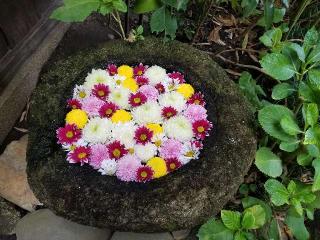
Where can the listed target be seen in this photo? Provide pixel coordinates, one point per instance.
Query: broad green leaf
(291, 187)
(214, 230)
(277, 191)
(119, 5)
(310, 213)
(105, 9)
(249, 7)
(162, 20)
(240, 236)
(297, 206)
(312, 136)
(75, 10)
(298, 49)
(306, 93)
(248, 220)
(144, 6)
(304, 159)
(231, 219)
(258, 214)
(268, 13)
(251, 201)
(312, 114)
(310, 39)
(268, 163)
(304, 193)
(282, 90)
(273, 231)
(278, 66)
(316, 181)
(272, 37)
(277, 17)
(314, 78)
(289, 146)
(314, 55)
(296, 225)
(270, 117)
(289, 125)
(313, 150)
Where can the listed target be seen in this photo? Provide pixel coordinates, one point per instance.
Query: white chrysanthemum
(149, 112)
(118, 80)
(97, 76)
(173, 99)
(120, 96)
(179, 128)
(145, 152)
(80, 92)
(108, 167)
(97, 130)
(70, 147)
(170, 84)
(188, 153)
(155, 74)
(124, 132)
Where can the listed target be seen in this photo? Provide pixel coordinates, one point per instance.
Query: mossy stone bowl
(180, 200)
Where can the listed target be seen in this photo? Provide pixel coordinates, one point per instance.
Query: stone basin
(180, 200)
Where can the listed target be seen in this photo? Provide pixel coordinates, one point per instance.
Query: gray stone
(44, 225)
(9, 216)
(181, 234)
(180, 200)
(141, 236)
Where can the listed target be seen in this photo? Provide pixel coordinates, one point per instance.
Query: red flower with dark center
(139, 70)
(143, 135)
(144, 174)
(79, 155)
(108, 109)
(116, 150)
(160, 88)
(141, 80)
(68, 134)
(173, 164)
(101, 91)
(201, 128)
(137, 99)
(74, 104)
(178, 76)
(112, 69)
(197, 98)
(197, 144)
(168, 112)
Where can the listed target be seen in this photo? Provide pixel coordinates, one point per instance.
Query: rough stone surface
(44, 225)
(13, 177)
(181, 234)
(9, 216)
(180, 200)
(141, 236)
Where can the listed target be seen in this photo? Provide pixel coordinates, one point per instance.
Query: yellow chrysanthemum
(186, 90)
(77, 117)
(158, 165)
(131, 84)
(126, 71)
(155, 128)
(121, 116)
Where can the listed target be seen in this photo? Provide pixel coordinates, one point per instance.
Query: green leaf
(277, 191)
(75, 10)
(273, 231)
(272, 37)
(304, 193)
(214, 230)
(297, 206)
(247, 220)
(270, 117)
(144, 6)
(231, 219)
(313, 150)
(240, 236)
(258, 214)
(289, 146)
(120, 5)
(249, 7)
(268, 13)
(298, 49)
(304, 159)
(314, 55)
(268, 163)
(162, 20)
(314, 78)
(105, 9)
(316, 180)
(278, 66)
(251, 201)
(310, 39)
(306, 93)
(282, 90)
(312, 114)
(289, 125)
(296, 225)
(312, 136)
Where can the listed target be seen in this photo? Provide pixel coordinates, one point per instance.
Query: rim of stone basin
(182, 199)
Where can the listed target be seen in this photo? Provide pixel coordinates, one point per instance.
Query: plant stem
(117, 18)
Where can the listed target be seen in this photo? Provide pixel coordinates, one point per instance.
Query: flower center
(189, 154)
(72, 147)
(158, 143)
(139, 72)
(82, 155)
(144, 174)
(143, 137)
(82, 94)
(69, 134)
(108, 111)
(200, 129)
(137, 100)
(116, 152)
(118, 82)
(74, 107)
(131, 150)
(172, 165)
(196, 102)
(101, 93)
(169, 114)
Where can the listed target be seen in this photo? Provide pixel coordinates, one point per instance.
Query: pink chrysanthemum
(79, 155)
(177, 76)
(150, 92)
(141, 80)
(128, 167)
(68, 134)
(108, 109)
(173, 164)
(74, 104)
(116, 150)
(195, 112)
(196, 98)
(171, 148)
(160, 88)
(92, 105)
(143, 135)
(168, 112)
(137, 99)
(101, 91)
(144, 174)
(112, 69)
(201, 128)
(99, 152)
(139, 70)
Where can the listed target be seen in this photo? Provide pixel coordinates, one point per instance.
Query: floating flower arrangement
(136, 123)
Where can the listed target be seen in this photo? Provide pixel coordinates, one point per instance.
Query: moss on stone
(180, 200)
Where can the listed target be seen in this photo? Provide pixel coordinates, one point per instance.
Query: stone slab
(141, 236)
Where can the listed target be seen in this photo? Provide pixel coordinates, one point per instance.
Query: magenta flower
(108, 109)
(79, 155)
(141, 80)
(128, 167)
(68, 134)
(160, 88)
(168, 112)
(74, 104)
(143, 135)
(177, 76)
(112, 69)
(195, 112)
(139, 70)
(99, 152)
(197, 98)
(171, 148)
(201, 128)
(137, 99)
(101, 91)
